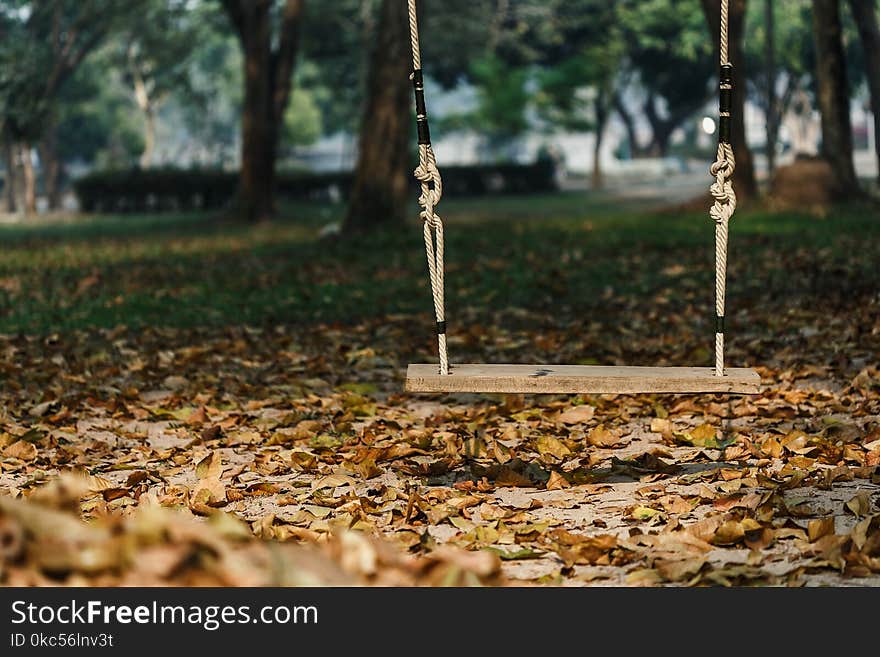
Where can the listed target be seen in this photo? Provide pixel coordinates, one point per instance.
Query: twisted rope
(722, 189)
(428, 175)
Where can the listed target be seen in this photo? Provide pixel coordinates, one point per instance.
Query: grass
(560, 254)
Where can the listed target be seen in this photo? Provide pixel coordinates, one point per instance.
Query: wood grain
(574, 379)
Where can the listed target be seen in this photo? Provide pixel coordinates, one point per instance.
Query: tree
(779, 53)
(269, 62)
(663, 38)
(502, 100)
(381, 181)
(578, 93)
(42, 43)
(744, 176)
(155, 54)
(833, 95)
(865, 14)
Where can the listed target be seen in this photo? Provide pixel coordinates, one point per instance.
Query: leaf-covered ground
(256, 374)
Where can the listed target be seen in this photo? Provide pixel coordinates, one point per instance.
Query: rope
(722, 189)
(428, 175)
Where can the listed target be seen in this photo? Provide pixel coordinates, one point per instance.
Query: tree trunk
(629, 125)
(602, 112)
(147, 106)
(381, 183)
(865, 14)
(51, 166)
(9, 177)
(268, 79)
(744, 176)
(833, 95)
(772, 113)
(256, 189)
(28, 201)
(146, 159)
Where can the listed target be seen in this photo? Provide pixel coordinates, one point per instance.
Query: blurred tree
(42, 42)
(577, 93)
(210, 103)
(303, 124)
(665, 39)
(833, 95)
(95, 125)
(269, 37)
(865, 14)
(339, 37)
(93, 122)
(381, 181)
(502, 99)
(744, 176)
(779, 52)
(155, 56)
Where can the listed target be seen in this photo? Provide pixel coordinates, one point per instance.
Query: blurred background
(158, 105)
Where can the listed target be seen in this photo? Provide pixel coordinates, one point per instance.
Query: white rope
(428, 175)
(724, 203)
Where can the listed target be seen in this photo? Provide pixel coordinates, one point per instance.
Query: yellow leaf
(644, 513)
(820, 527)
(772, 448)
(210, 467)
(860, 505)
(601, 437)
(21, 450)
(553, 446)
(662, 426)
(557, 481)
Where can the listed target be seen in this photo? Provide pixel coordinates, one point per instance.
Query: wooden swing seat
(580, 379)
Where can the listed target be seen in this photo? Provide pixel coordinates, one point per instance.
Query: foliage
(303, 119)
(574, 92)
(671, 55)
(41, 45)
(503, 98)
(95, 124)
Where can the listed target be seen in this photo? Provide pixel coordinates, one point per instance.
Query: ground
(256, 373)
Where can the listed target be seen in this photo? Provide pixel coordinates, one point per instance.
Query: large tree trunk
(865, 14)
(257, 188)
(52, 169)
(744, 176)
(268, 79)
(770, 61)
(833, 95)
(381, 184)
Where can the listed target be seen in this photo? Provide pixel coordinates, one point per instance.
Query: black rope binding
(725, 103)
(421, 109)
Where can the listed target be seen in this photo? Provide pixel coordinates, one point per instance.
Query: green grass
(559, 253)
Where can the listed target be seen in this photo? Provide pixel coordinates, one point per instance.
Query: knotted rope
(722, 189)
(428, 175)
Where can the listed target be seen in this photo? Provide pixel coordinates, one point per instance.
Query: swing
(574, 379)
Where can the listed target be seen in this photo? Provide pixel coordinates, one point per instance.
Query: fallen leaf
(577, 414)
(601, 437)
